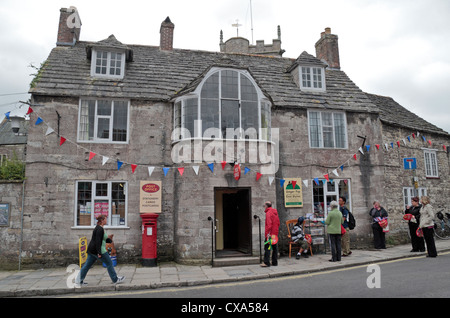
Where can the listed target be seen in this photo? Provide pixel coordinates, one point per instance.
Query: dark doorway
(234, 213)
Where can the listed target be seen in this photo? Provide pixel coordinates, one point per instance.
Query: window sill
(222, 139)
(87, 227)
(437, 178)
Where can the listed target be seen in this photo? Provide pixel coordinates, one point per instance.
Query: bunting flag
(335, 172)
(294, 183)
(39, 121)
(62, 140)
(91, 155)
(196, 169)
(317, 181)
(49, 131)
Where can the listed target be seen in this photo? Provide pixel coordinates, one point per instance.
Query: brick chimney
(166, 31)
(327, 49)
(69, 27)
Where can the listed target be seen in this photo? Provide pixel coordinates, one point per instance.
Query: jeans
(335, 244)
(91, 259)
(274, 249)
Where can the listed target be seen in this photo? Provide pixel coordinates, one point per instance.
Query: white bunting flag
(49, 131)
(271, 180)
(305, 182)
(196, 169)
(150, 171)
(335, 172)
(104, 160)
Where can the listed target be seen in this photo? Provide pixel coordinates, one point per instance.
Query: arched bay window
(227, 104)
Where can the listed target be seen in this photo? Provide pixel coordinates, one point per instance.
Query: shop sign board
(293, 196)
(150, 197)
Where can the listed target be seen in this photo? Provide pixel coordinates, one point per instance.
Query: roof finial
(237, 25)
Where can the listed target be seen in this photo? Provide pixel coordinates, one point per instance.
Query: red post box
(149, 250)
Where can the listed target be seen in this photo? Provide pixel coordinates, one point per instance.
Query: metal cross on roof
(237, 25)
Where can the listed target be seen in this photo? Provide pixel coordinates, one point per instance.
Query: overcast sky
(396, 48)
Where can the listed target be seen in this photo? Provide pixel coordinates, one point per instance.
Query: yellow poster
(293, 197)
(82, 248)
(150, 197)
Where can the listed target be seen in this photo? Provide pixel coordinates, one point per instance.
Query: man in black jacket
(417, 243)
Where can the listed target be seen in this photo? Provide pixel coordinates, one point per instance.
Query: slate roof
(159, 75)
(394, 114)
(7, 137)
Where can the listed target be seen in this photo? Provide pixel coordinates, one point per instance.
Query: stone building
(186, 118)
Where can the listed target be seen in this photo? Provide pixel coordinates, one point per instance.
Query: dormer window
(312, 78)
(107, 64)
(108, 58)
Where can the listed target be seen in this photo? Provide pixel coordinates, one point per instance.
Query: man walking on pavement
(272, 227)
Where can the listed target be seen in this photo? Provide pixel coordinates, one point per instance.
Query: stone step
(235, 261)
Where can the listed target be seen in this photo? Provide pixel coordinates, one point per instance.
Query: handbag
(343, 231)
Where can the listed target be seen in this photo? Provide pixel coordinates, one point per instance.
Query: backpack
(351, 221)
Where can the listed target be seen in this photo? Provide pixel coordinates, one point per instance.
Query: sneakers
(79, 285)
(120, 279)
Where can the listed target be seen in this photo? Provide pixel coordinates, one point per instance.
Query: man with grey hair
(333, 222)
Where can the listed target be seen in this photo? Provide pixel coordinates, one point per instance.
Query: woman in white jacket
(427, 225)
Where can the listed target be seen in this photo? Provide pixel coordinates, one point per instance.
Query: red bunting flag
(91, 155)
(445, 147)
(414, 136)
(224, 163)
(133, 168)
(398, 144)
(378, 147)
(429, 141)
(258, 176)
(62, 140)
(30, 110)
(181, 171)
(327, 177)
(294, 183)
(354, 156)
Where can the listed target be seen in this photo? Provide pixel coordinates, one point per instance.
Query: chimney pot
(166, 35)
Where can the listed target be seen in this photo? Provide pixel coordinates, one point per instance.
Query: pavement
(59, 281)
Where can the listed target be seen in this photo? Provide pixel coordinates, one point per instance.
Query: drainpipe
(21, 224)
